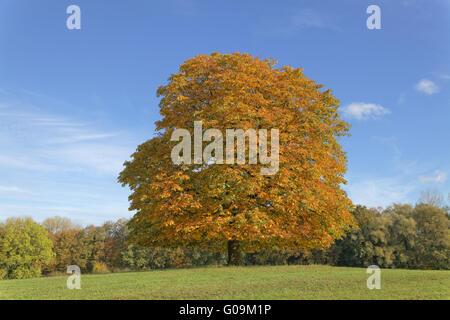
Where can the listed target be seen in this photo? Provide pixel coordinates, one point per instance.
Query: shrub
(100, 267)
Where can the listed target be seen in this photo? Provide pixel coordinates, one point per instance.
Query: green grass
(268, 282)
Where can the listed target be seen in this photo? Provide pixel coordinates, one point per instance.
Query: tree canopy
(25, 249)
(208, 204)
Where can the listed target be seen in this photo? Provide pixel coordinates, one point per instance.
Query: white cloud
(364, 111)
(427, 86)
(438, 177)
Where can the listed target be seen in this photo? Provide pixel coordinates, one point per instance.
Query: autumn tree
(210, 204)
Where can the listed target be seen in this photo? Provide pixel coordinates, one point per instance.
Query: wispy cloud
(56, 122)
(364, 111)
(34, 141)
(308, 18)
(83, 137)
(399, 186)
(379, 192)
(401, 98)
(54, 164)
(84, 215)
(11, 189)
(94, 157)
(437, 177)
(17, 160)
(427, 86)
(294, 21)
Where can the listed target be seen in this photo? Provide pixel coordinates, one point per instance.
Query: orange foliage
(301, 206)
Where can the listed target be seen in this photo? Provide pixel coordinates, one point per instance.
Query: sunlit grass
(268, 282)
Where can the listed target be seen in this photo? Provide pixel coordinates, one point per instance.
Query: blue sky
(74, 104)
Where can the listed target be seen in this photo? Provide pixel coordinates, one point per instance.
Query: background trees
(400, 236)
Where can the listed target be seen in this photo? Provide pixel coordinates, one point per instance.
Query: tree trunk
(234, 253)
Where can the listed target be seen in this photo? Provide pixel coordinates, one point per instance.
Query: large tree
(302, 205)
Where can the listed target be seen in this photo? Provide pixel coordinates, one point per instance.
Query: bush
(100, 267)
(3, 274)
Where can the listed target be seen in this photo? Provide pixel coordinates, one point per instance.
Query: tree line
(400, 236)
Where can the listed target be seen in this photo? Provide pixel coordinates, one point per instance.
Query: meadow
(256, 282)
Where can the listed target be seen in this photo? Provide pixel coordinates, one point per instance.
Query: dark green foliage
(402, 236)
(135, 258)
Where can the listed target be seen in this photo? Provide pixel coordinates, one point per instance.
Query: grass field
(272, 282)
